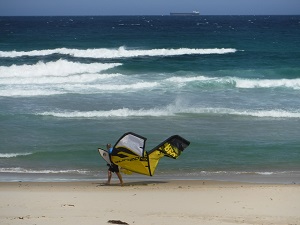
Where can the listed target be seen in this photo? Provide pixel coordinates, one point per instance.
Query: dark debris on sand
(117, 222)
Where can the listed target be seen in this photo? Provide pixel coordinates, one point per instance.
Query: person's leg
(120, 178)
(108, 177)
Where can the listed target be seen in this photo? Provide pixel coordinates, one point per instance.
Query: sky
(147, 7)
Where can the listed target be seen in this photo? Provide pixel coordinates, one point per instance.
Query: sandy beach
(149, 202)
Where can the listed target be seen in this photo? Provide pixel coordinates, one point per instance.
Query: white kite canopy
(133, 142)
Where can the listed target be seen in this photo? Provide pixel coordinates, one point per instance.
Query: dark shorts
(114, 168)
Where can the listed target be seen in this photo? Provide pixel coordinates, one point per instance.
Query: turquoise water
(228, 84)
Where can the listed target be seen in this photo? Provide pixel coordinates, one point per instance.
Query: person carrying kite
(113, 168)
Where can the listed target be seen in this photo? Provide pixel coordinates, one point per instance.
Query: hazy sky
(148, 7)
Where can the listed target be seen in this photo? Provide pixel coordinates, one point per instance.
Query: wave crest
(55, 68)
(13, 155)
(267, 83)
(121, 52)
(243, 83)
(173, 110)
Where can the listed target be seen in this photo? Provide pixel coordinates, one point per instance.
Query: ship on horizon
(194, 13)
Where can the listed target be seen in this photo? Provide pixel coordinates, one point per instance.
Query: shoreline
(292, 177)
(137, 182)
(149, 202)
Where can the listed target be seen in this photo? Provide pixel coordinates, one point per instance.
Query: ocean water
(228, 84)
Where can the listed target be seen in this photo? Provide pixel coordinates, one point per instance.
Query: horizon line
(168, 15)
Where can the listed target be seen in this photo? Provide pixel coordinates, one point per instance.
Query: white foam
(124, 112)
(173, 110)
(32, 171)
(56, 68)
(276, 113)
(268, 113)
(62, 77)
(13, 155)
(263, 173)
(97, 88)
(52, 78)
(243, 83)
(120, 52)
(70, 79)
(29, 93)
(46, 87)
(267, 83)
(188, 79)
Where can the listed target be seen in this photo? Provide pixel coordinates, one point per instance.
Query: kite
(129, 153)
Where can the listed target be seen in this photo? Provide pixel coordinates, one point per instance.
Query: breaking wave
(267, 83)
(172, 110)
(56, 68)
(236, 82)
(121, 52)
(92, 83)
(13, 155)
(85, 87)
(64, 77)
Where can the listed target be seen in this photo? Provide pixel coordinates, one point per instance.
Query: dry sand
(149, 202)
